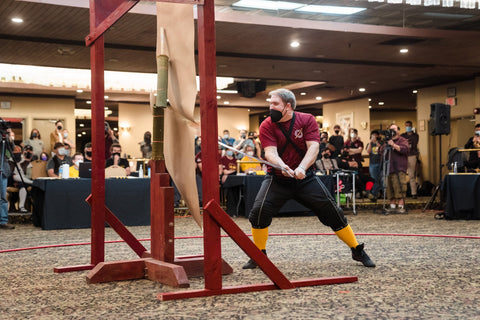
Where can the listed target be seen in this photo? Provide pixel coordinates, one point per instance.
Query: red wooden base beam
(73, 268)
(166, 296)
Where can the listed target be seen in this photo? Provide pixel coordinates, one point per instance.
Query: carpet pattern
(415, 277)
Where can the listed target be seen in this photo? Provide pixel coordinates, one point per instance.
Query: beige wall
(361, 114)
(139, 118)
(38, 108)
(232, 119)
(461, 128)
(385, 118)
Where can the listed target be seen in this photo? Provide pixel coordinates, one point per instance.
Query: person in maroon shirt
(291, 141)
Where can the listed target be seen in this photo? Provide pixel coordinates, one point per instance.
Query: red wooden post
(97, 14)
(208, 113)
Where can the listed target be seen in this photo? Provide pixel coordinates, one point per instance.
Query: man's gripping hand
(299, 173)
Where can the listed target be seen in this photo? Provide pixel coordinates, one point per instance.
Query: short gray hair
(286, 95)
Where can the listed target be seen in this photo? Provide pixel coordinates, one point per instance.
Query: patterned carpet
(415, 277)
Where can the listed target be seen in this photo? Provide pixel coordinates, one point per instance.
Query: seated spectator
(116, 159)
(44, 156)
(68, 150)
(242, 143)
(326, 163)
(22, 175)
(250, 167)
(37, 144)
(67, 140)
(77, 159)
(60, 158)
(323, 140)
(232, 194)
(87, 152)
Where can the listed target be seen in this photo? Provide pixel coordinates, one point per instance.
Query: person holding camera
(412, 138)
(398, 148)
(4, 174)
(474, 143)
(110, 139)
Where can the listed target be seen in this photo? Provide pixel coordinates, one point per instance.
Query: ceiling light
(17, 20)
(295, 44)
(404, 50)
(369, 107)
(227, 91)
(414, 91)
(81, 125)
(84, 133)
(268, 99)
(226, 102)
(79, 135)
(381, 103)
(303, 93)
(106, 97)
(248, 110)
(369, 99)
(267, 5)
(330, 9)
(106, 108)
(219, 97)
(89, 102)
(318, 98)
(79, 90)
(361, 89)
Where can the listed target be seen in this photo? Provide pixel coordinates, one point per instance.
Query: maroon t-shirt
(228, 164)
(355, 145)
(305, 129)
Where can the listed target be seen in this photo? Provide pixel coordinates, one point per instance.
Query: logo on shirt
(299, 133)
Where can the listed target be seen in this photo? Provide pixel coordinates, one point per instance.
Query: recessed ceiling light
(79, 90)
(226, 102)
(268, 99)
(106, 97)
(295, 44)
(369, 107)
(381, 103)
(267, 5)
(369, 99)
(84, 133)
(82, 125)
(219, 97)
(404, 50)
(89, 102)
(17, 20)
(248, 110)
(414, 91)
(303, 93)
(329, 9)
(106, 108)
(318, 98)
(79, 135)
(361, 89)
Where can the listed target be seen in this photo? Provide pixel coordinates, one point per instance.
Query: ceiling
(337, 54)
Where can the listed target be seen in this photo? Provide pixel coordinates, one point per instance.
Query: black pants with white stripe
(310, 192)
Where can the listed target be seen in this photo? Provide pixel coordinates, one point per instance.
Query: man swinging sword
(291, 142)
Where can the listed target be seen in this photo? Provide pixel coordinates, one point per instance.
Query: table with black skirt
(462, 192)
(60, 203)
(250, 185)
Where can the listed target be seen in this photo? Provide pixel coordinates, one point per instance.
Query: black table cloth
(462, 192)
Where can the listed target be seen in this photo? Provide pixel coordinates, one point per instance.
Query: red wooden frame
(161, 263)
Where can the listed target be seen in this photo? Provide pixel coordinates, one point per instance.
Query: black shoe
(358, 254)
(372, 197)
(252, 264)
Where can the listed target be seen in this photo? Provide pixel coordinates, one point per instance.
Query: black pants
(310, 192)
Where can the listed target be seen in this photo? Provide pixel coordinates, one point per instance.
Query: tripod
(437, 188)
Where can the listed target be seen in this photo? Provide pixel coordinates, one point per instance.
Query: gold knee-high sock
(260, 237)
(346, 235)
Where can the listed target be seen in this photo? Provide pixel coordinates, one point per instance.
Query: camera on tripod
(389, 134)
(4, 126)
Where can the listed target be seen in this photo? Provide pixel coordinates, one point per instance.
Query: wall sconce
(125, 127)
(363, 125)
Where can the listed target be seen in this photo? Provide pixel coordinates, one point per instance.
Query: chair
(12, 198)
(115, 171)
(39, 169)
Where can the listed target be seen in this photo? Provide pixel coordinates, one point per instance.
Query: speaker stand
(437, 188)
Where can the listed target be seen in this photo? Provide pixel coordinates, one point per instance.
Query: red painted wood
(73, 268)
(98, 137)
(117, 271)
(166, 296)
(122, 231)
(244, 242)
(166, 273)
(195, 266)
(208, 114)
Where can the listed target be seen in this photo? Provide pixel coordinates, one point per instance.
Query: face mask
(116, 154)
(17, 157)
(408, 129)
(250, 153)
(44, 158)
(243, 136)
(337, 131)
(225, 136)
(352, 135)
(275, 115)
(230, 153)
(65, 135)
(77, 163)
(148, 139)
(477, 133)
(28, 155)
(326, 155)
(62, 151)
(89, 154)
(34, 135)
(59, 127)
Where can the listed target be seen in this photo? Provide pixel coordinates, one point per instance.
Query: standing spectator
(23, 178)
(397, 177)
(87, 152)
(146, 145)
(74, 170)
(323, 140)
(67, 141)
(57, 134)
(110, 139)
(60, 158)
(4, 174)
(242, 143)
(37, 144)
(226, 139)
(337, 141)
(375, 167)
(354, 146)
(116, 159)
(412, 138)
